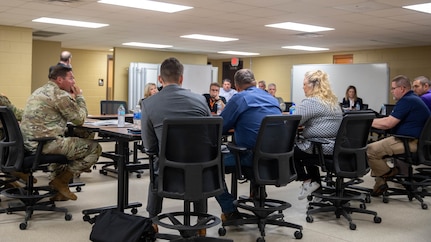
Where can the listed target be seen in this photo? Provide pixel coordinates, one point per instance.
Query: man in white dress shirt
(227, 91)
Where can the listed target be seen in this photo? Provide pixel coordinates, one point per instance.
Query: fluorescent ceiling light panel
(230, 52)
(299, 27)
(147, 45)
(208, 37)
(148, 5)
(69, 22)
(307, 48)
(424, 7)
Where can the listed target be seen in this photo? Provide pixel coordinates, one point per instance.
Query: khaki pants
(386, 147)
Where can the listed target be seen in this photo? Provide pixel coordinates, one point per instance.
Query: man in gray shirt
(171, 102)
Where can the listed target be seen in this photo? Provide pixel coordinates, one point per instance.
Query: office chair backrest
(190, 166)
(12, 144)
(424, 144)
(273, 153)
(350, 148)
(111, 106)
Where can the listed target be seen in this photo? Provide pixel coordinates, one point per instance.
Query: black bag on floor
(115, 226)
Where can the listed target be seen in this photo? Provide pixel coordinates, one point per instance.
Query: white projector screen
(371, 81)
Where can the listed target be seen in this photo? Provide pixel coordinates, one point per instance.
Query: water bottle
(358, 107)
(383, 110)
(219, 108)
(292, 109)
(121, 116)
(137, 117)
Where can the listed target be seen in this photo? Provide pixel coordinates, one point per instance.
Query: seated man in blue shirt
(244, 113)
(407, 118)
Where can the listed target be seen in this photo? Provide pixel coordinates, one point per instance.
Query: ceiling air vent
(45, 34)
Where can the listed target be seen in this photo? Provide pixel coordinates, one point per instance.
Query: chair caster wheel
(134, 210)
(352, 226)
(424, 206)
(385, 200)
(362, 206)
(309, 219)
(78, 188)
(138, 175)
(261, 239)
(68, 217)
(298, 235)
(377, 219)
(86, 218)
(23, 225)
(222, 231)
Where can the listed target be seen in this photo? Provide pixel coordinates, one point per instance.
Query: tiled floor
(402, 220)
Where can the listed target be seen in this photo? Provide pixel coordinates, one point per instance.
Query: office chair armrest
(403, 137)
(406, 139)
(237, 150)
(318, 141)
(151, 157)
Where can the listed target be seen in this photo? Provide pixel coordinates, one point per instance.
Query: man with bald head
(65, 60)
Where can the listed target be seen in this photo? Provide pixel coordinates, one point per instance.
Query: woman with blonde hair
(150, 89)
(321, 118)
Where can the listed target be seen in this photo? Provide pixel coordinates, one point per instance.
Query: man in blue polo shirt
(244, 113)
(407, 118)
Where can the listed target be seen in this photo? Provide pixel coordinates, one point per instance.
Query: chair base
(188, 230)
(262, 210)
(414, 187)
(30, 203)
(340, 205)
(88, 212)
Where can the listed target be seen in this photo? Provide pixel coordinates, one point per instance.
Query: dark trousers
(307, 166)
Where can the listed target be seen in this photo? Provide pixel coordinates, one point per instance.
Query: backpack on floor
(114, 226)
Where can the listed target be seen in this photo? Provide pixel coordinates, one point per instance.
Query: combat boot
(61, 184)
(22, 176)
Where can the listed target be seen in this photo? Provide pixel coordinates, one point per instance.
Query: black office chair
(414, 183)
(272, 165)
(347, 164)
(13, 158)
(190, 169)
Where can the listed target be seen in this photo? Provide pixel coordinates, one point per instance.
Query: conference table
(122, 136)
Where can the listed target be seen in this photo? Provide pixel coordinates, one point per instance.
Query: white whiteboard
(197, 78)
(371, 81)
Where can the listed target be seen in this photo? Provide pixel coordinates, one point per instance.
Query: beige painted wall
(88, 67)
(45, 54)
(411, 61)
(123, 57)
(24, 65)
(15, 63)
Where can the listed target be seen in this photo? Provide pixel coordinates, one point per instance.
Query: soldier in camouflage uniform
(48, 110)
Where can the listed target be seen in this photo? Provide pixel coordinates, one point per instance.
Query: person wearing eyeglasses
(407, 118)
(422, 88)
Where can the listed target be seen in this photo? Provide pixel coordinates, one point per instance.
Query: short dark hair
(59, 70)
(171, 70)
